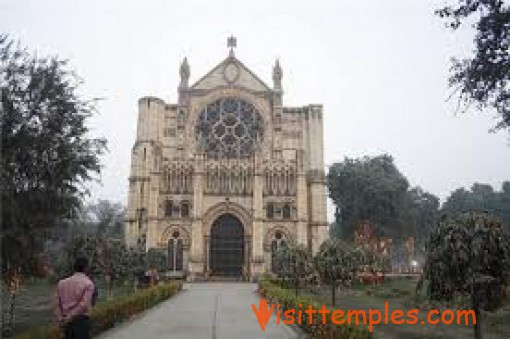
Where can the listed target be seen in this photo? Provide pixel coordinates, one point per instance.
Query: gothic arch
(235, 209)
(169, 231)
(271, 233)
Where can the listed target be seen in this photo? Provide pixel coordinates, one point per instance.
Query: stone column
(196, 260)
(302, 209)
(152, 210)
(207, 253)
(247, 254)
(257, 225)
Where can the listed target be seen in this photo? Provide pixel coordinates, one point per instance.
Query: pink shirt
(74, 296)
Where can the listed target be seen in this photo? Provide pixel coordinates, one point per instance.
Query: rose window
(229, 127)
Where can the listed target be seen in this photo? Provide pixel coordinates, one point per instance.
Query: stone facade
(228, 147)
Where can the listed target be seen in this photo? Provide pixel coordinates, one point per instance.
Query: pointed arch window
(185, 209)
(175, 252)
(270, 211)
(142, 218)
(286, 211)
(169, 208)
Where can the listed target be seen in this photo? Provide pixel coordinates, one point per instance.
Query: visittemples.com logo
(370, 317)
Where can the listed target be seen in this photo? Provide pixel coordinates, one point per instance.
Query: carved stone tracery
(233, 178)
(178, 178)
(280, 179)
(229, 128)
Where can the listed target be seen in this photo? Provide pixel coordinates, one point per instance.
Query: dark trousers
(78, 328)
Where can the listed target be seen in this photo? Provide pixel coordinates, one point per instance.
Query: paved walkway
(204, 311)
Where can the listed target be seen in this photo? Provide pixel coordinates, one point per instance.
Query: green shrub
(288, 300)
(106, 315)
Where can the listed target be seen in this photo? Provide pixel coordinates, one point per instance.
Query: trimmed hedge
(107, 314)
(288, 300)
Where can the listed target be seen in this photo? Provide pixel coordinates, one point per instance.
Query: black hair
(81, 264)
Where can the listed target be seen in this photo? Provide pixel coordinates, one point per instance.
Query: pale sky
(378, 67)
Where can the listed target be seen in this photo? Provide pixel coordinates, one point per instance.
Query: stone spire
(277, 76)
(184, 72)
(184, 85)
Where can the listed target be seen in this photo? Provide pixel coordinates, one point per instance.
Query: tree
(135, 261)
(459, 200)
(370, 188)
(503, 201)
(109, 258)
(156, 259)
(108, 217)
(104, 219)
(292, 265)
(337, 264)
(484, 78)
(105, 256)
(424, 214)
(47, 154)
(468, 254)
(481, 197)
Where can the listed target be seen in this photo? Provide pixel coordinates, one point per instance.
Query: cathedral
(222, 178)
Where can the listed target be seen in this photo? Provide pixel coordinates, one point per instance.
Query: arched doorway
(227, 246)
(175, 252)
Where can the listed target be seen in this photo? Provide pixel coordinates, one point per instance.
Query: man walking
(73, 301)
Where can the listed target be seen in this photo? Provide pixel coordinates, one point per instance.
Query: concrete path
(204, 311)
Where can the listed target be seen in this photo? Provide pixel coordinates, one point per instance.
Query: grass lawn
(399, 293)
(33, 306)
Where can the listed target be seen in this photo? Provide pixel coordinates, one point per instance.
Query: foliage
(424, 214)
(293, 265)
(156, 259)
(481, 197)
(484, 78)
(107, 218)
(108, 257)
(47, 155)
(370, 188)
(136, 262)
(103, 219)
(337, 264)
(468, 254)
(464, 249)
(107, 314)
(317, 329)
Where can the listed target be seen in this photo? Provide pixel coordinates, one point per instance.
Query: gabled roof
(244, 78)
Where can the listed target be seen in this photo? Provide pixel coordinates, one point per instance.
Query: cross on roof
(232, 43)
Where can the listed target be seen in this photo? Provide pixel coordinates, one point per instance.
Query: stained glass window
(185, 209)
(168, 207)
(286, 211)
(229, 127)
